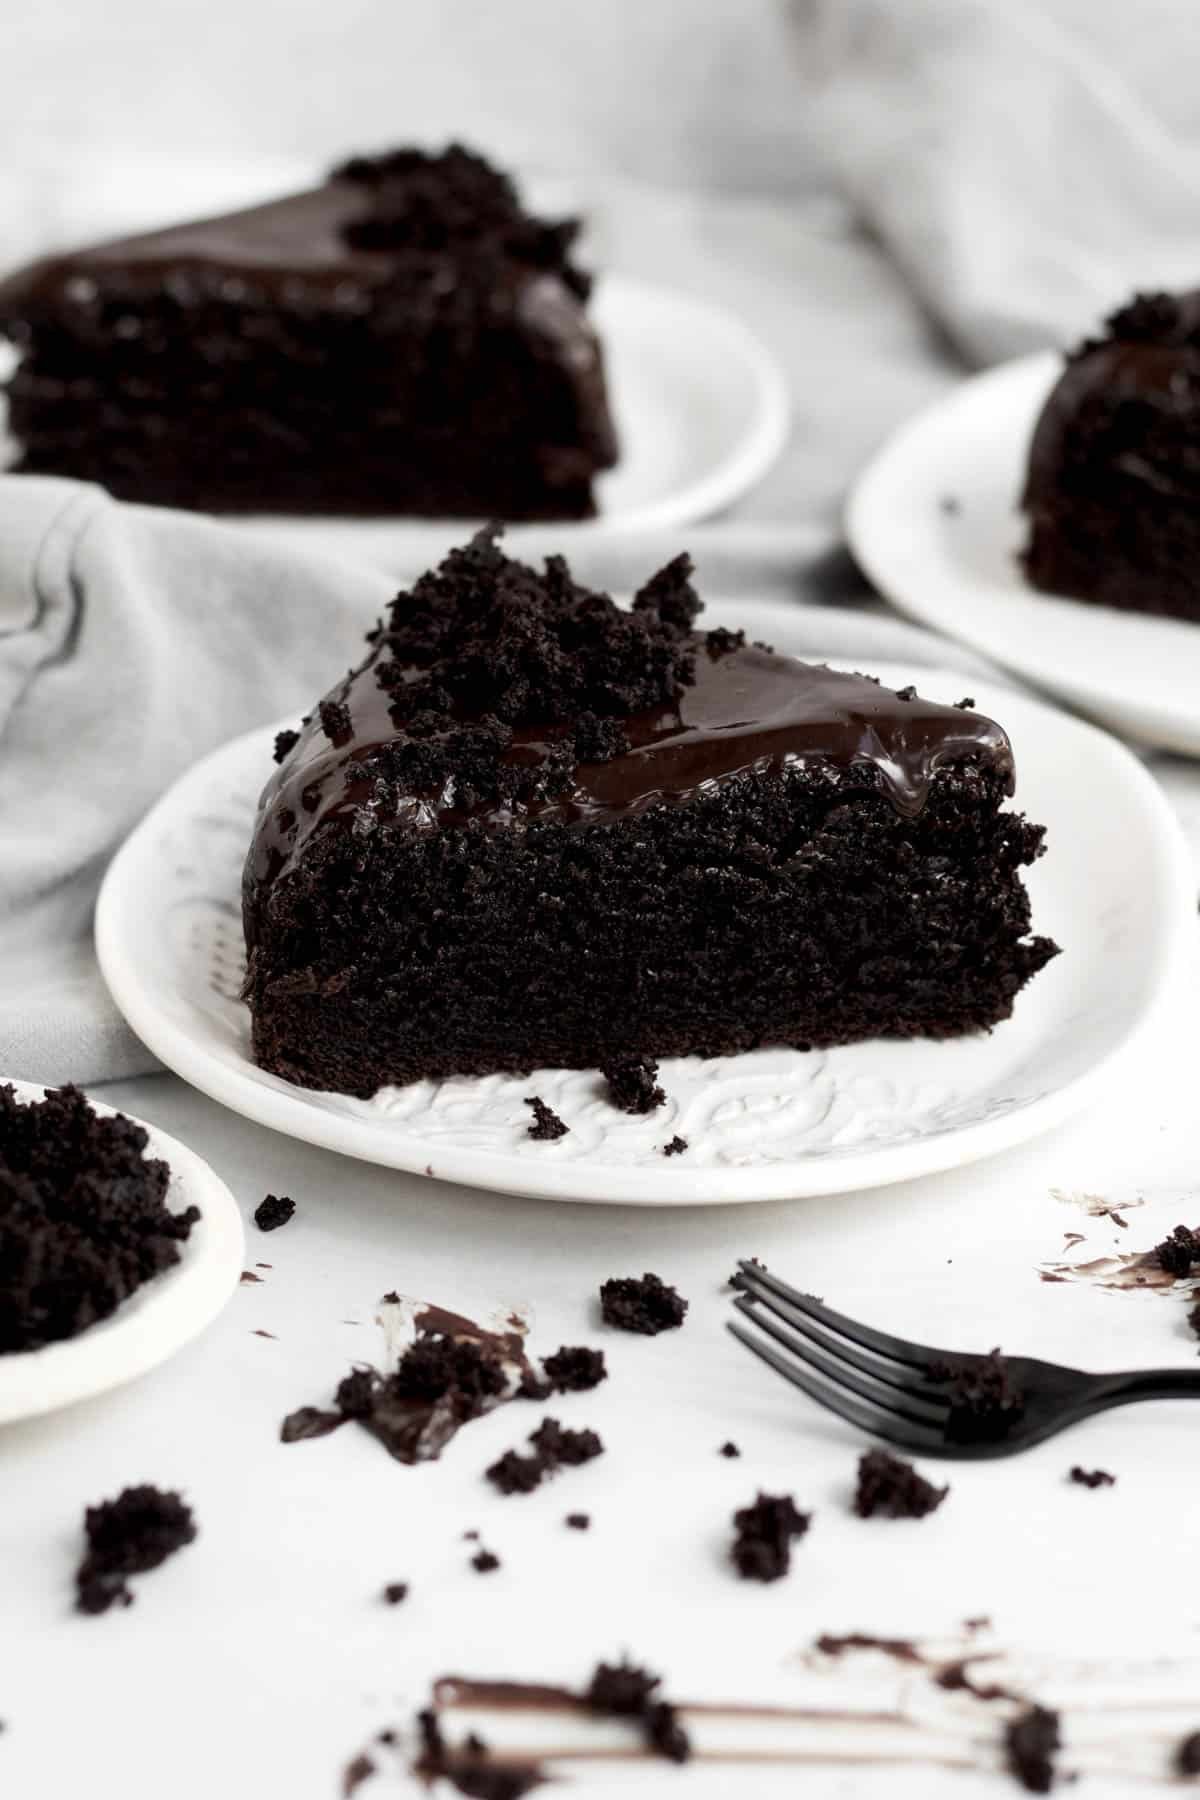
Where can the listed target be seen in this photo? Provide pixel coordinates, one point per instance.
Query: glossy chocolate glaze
(748, 709)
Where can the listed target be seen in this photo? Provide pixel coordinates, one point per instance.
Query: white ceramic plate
(1115, 890)
(956, 569)
(701, 410)
(155, 1321)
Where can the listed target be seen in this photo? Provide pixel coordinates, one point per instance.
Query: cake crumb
(248, 1278)
(579, 1521)
(83, 1216)
(890, 1486)
(555, 1446)
(395, 1592)
(730, 1449)
(676, 1147)
(285, 743)
(1031, 1741)
(631, 1085)
(1187, 1756)
(135, 1532)
(762, 1547)
(985, 1402)
(484, 1561)
(272, 1212)
(647, 1306)
(626, 1692)
(1092, 1478)
(575, 1369)
(355, 1773)
(1178, 1251)
(546, 1123)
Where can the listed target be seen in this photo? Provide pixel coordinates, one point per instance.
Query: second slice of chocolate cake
(534, 829)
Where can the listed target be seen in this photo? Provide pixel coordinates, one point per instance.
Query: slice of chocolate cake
(534, 829)
(403, 339)
(1114, 472)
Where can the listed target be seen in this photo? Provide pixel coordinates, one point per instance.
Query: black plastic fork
(935, 1402)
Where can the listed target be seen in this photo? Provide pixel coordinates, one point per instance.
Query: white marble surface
(261, 1660)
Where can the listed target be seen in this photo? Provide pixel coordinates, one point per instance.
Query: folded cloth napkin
(132, 641)
(1028, 163)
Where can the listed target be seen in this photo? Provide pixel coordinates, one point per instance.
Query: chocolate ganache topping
(503, 696)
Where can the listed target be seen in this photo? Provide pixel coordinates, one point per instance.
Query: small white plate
(163, 1314)
(955, 566)
(1115, 890)
(701, 409)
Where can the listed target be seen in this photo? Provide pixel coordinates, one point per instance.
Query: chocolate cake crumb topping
(579, 1521)
(647, 1305)
(395, 1592)
(676, 1147)
(285, 743)
(484, 1561)
(1092, 1478)
(985, 1402)
(762, 1548)
(272, 1212)
(575, 1369)
(631, 1085)
(427, 203)
(892, 1487)
(1031, 1741)
(83, 1216)
(1187, 1757)
(489, 640)
(137, 1531)
(730, 1449)
(546, 1123)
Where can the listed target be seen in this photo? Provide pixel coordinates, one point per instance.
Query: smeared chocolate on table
(453, 1371)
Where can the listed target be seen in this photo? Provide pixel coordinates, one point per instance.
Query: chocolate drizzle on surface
(453, 1371)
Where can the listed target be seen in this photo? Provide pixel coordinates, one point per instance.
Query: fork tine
(874, 1422)
(878, 1394)
(889, 1373)
(917, 1356)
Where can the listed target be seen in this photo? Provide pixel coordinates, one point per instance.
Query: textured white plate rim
(621, 301)
(163, 1315)
(1165, 883)
(972, 445)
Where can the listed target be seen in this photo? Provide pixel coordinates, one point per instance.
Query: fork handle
(1147, 1384)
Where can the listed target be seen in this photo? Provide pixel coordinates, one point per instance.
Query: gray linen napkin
(132, 641)
(1028, 163)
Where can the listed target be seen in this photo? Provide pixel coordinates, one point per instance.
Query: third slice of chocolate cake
(534, 829)
(1114, 471)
